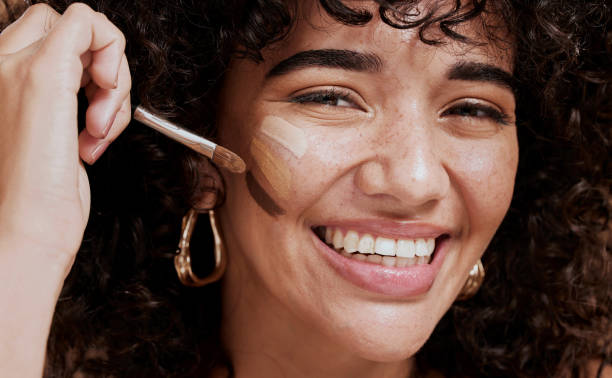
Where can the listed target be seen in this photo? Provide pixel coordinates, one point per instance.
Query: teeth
(391, 261)
(431, 245)
(366, 244)
(380, 250)
(329, 234)
(351, 242)
(388, 261)
(338, 240)
(405, 248)
(384, 246)
(420, 246)
(359, 256)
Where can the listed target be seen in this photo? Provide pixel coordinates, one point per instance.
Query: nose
(406, 167)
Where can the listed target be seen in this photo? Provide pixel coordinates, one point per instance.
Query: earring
(473, 282)
(182, 261)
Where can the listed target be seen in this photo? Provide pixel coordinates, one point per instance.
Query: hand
(45, 58)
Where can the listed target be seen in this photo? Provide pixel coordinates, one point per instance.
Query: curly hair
(545, 307)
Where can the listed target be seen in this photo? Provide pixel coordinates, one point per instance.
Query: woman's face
(392, 148)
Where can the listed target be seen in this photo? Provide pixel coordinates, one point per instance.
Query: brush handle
(183, 136)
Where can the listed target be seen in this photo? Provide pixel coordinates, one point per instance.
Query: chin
(385, 339)
(385, 350)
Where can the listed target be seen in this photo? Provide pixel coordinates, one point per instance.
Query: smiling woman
(383, 179)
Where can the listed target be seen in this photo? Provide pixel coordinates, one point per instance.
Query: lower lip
(405, 282)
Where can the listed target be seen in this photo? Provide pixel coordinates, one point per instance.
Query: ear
(210, 190)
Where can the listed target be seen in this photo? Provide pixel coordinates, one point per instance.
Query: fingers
(91, 148)
(33, 25)
(56, 55)
(78, 31)
(105, 103)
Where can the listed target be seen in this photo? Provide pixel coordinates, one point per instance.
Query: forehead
(488, 40)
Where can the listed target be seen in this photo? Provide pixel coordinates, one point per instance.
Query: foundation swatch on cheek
(273, 168)
(286, 134)
(262, 197)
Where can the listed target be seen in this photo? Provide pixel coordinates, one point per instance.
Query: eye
(478, 111)
(333, 97)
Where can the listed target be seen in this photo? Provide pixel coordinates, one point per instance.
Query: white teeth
(351, 241)
(405, 248)
(338, 239)
(388, 260)
(381, 250)
(384, 246)
(366, 244)
(431, 245)
(402, 262)
(423, 259)
(420, 246)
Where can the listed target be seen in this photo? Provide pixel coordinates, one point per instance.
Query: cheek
(484, 174)
(293, 164)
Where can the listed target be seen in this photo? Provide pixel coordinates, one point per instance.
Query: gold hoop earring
(473, 282)
(182, 261)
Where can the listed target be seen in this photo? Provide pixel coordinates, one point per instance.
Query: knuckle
(119, 37)
(79, 8)
(79, 12)
(37, 10)
(43, 13)
(102, 16)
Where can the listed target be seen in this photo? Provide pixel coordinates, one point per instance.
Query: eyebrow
(370, 62)
(473, 71)
(330, 58)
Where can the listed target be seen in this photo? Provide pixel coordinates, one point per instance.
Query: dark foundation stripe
(262, 197)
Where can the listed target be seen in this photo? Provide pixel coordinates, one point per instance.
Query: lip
(390, 229)
(394, 282)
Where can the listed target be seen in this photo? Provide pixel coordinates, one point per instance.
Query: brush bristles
(227, 159)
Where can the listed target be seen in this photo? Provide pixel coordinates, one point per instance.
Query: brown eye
(329, 97)
(478, 111)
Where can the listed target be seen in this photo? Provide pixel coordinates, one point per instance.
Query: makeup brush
(219, 155)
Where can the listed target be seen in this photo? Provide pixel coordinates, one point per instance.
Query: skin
(286, 313)
(45, 58)
(387, 152)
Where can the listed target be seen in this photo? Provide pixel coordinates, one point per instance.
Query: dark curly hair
(545, 307)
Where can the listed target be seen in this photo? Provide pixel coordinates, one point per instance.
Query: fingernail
(116, 82)
(97, 152)
(110, 122)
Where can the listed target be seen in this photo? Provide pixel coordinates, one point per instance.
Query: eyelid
(503, 117)
(350, 94)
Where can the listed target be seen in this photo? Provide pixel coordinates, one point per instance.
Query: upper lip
(390, 229)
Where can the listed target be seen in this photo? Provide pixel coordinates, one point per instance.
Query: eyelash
(470, 109)
(328, 97)
(331, 96)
